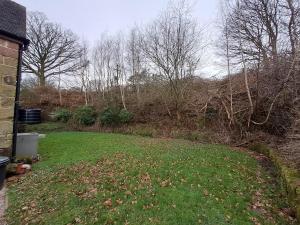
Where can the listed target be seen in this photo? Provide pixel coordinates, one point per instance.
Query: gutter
(17, 103)
(25, 42)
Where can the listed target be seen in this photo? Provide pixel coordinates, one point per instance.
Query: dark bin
(30, 116)
(3, 163)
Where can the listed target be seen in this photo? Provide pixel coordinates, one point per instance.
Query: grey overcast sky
(89, 18)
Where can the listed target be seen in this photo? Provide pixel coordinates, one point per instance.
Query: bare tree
(172, 45)
(224, 44)
(263, 40)
(245, 70)
(102, 64)
(84, 73)
(119, 72)
(134, 60)
(292, 22)
(257, 24)
(99, 59)
(53, 50)
(109, 67)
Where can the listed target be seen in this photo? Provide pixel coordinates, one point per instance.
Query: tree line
(259, 42)
(262, 37)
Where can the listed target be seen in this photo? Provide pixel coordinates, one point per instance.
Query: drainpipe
(17, 99)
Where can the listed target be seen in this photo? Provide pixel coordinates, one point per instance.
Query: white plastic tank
(27, 145)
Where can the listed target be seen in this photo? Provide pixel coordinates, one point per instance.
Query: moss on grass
(289, 176)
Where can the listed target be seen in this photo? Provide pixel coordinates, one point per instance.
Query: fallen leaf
(119, 201)
(165, 183)
(108, 203)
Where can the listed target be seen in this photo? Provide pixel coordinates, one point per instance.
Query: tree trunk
(42, 80)
(59, 90)
(122, 91)
(245, 71)
(138, 95)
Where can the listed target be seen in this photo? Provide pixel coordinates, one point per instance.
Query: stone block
(2, 137)
(6, 143)
(1, 60)
(6, 127)
(12, 45)
(7, 102)
(6, 113)
(10, 62)
(8, 52)
(3, 42)
(7, 90)
(9, 80)
(9, 136)
(7, 70)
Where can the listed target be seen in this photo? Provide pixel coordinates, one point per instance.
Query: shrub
(110, 116)
(125, 116)
(62, 115)
(211, 114)
(113, 116)
(280, 121)
(85, 115)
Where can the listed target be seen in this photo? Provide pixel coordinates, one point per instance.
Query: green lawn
(91, 178)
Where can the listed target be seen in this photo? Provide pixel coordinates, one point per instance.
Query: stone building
(12, 43)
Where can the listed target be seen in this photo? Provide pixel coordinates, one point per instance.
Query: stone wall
(8, 74)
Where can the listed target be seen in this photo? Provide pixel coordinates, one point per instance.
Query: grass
(45, 127)
(91, 178)
(144, 130)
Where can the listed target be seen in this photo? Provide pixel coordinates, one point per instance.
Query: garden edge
(289, 177)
